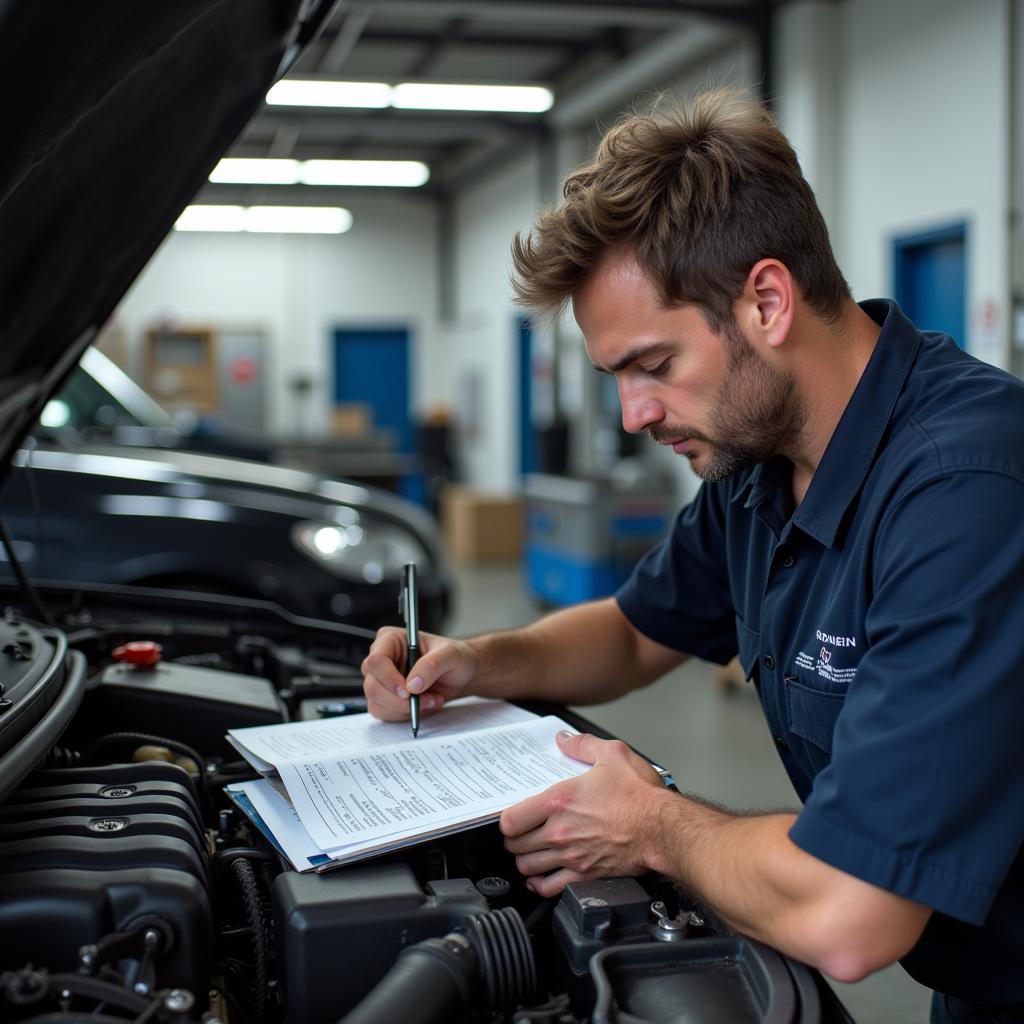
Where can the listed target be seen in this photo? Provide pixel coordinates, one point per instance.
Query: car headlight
(368, 553)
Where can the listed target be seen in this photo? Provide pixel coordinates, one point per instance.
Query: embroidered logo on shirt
(822, 665)
(835, 641)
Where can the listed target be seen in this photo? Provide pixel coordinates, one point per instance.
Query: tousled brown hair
(698, 193)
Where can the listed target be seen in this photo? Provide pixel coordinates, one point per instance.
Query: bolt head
(116, 792)
(108, 824)
(179, 1000)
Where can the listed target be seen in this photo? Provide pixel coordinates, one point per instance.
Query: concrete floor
(715, 744)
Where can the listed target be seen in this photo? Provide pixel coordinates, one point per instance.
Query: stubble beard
(757, 414)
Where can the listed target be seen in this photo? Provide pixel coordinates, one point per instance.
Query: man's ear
(769, 301)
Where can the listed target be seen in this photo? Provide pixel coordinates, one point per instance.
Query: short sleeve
(923, 795)
(678, 594)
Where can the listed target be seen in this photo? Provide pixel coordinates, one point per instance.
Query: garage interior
(375, 339)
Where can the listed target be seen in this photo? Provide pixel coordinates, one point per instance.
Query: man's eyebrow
(633, 355)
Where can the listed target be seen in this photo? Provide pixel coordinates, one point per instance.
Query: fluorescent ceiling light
(523, 99)
(211, 218)
(306, 93)
(317, 220)
(526, 99)
(402, 173)
(394, 173)
(256, 172)
(297, 220)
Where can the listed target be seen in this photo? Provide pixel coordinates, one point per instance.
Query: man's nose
(640, 410)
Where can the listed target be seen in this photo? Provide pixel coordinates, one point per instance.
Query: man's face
(708, 395)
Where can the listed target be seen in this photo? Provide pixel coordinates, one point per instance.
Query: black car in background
(102, 494)
(100, 402)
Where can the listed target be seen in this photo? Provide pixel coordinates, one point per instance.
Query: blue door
(930, 280)
(527, 434)
(371, 365)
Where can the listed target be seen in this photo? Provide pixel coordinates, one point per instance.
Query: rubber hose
(506, 957)
(430, 983)
(490, 956)
(257, 929)
(124, 739)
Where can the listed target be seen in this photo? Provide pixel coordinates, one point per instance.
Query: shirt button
(787, 561)
(769, 662)
(780, 743)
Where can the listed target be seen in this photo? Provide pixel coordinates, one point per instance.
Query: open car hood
(123, 109)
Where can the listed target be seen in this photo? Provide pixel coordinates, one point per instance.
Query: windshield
(100, 395)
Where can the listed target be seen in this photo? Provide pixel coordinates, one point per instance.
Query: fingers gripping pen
(410, 614)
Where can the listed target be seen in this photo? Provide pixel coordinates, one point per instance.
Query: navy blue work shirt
(883, 624)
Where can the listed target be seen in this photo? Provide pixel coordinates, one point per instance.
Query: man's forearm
(587, 654)
(709, 851)
(753, 876)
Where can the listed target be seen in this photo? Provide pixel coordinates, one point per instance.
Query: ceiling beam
(498, 39)
(302, 195)
(477, 166)
(421, 127)
(645, 69)
(447, 35)
(640, 13)
(610, 42)
(283, 143)
(356, 16)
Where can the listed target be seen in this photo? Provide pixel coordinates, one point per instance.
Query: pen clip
(408, 601)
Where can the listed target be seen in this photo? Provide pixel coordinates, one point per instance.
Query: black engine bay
(130, 889)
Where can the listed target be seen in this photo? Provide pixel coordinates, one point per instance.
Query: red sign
(243, 370)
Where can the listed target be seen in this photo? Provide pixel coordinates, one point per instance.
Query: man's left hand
(601, 824)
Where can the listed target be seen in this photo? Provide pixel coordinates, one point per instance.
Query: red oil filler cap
(141, 653)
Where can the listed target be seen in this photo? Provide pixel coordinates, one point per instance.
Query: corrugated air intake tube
(487, 963)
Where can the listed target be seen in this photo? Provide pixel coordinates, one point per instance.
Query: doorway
(930, 279)
(527, 433)
(371, 368)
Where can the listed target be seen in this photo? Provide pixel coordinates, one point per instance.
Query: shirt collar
(762, 481)
(856, 439)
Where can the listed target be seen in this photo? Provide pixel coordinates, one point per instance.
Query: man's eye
(659, 370)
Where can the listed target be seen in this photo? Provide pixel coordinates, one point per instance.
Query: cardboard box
(481, 527)
(351, 419)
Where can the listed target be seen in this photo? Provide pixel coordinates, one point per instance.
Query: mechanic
(858, 540)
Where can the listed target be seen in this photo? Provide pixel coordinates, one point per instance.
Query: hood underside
(122, 110)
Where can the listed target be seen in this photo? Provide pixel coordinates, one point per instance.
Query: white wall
(807, 96)
(923, 143)
(298, 288)
(484, 332)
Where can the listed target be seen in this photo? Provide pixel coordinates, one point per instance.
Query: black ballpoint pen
(410, 613)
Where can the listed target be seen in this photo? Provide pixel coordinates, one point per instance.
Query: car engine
(131, 890)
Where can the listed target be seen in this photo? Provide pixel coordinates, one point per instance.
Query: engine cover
(88, 853)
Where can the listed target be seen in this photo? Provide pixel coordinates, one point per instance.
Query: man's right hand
(442, 672)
